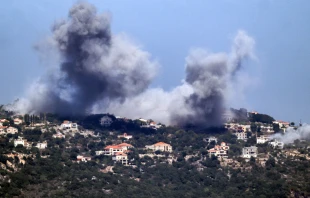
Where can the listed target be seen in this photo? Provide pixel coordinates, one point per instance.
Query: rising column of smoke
(107, 73)
(201, 98)
(95, 65)
(206, 73)
(302, 133)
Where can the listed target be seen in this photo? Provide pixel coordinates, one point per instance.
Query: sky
(168, 29)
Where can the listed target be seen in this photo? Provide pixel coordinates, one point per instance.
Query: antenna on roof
(300, 123)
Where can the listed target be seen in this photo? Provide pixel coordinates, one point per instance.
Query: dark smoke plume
(100, 72)
(204, 94)
(95, 66)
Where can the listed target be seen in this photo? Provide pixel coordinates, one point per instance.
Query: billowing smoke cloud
(95, 66)
(100, 72)
(202, 97)
(301, 133)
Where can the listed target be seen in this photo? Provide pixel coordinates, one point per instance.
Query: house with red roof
(18, 121)
(81, 158)
(219, 150)
(160, 146)
(120, 157)
(113, 149)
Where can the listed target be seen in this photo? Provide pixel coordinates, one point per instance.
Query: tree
(292, 124)
(261, 118)
(276, 127)
(253, 128)
(6, 124)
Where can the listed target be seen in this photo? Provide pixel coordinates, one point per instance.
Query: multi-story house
(41, 145)
(18, 121)
(120, 157)
(262, 139)
(160, 146)
(219, 150)
(248, 152)
(68, 125)
(241, 136)
(112, 149)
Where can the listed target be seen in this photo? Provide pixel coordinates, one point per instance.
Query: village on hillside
(112, 141)
(118, 144)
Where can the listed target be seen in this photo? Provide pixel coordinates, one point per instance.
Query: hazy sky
(168, 29)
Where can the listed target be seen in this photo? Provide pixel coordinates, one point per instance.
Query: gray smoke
(100, 72)
(94, 66)
(203, 95)
(206, 74)
(301, 133)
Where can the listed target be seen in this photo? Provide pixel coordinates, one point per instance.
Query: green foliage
(59, 175)
(261, 118)
(33, 135)
(276, 127)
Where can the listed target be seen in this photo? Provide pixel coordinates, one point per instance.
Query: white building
(267, 129)
(112, 149)
(125, 135)
(210, 139)
(20, 141)
(59, 135)
(160, 146)
(106, 121)
(281, 124)
(42, 145)
(12, 130)
(248, 152)
(262, 139)
(144, 121)
(241, 136)
(276, 144)
(18, 121)
(120, 157)
(219, 150)
(68, 125)
(81, 158)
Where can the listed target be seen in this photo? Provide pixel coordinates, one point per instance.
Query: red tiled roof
(161, 144)
(113, 147)
(125, 144)
(120, 154)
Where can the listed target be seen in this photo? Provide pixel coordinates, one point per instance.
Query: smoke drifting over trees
(302, 133)
(102, 72)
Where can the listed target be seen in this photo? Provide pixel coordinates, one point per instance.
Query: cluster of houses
(221, 150)
(119, 152)
(4, 129)
(28, 145)
(240, 130)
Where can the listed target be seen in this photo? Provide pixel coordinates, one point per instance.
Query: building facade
(160, 146)
(248, 152)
